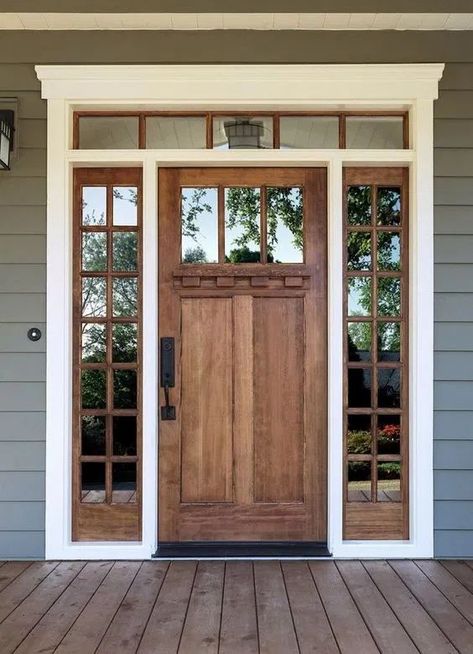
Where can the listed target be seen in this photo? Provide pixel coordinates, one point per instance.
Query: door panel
(279, 399)
(245, 458)
(206, 364)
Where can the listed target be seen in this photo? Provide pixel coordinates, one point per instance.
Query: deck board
(425, 633)
(457, 629)
(236, 607)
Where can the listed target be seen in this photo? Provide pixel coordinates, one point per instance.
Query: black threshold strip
(205, 549)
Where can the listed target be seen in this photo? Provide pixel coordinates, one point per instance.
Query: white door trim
(407, 87)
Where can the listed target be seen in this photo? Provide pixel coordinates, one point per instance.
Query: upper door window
(242, 224)
(239, 131)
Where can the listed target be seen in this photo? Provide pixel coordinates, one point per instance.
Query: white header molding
(270, 85)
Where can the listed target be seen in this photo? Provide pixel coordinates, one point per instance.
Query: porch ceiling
(235, 21)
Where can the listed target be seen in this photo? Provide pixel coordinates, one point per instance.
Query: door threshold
(237, 549)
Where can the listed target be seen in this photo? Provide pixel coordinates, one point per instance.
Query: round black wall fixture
(34, 334)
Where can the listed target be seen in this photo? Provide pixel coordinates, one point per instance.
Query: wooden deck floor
(237, 607)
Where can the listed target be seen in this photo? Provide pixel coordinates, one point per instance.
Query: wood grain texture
(239, 607)
(245, 459)
(239, 629)
(206, 369)
(279, 399)
(348, 626)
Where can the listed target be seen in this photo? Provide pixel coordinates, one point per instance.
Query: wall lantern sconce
(242, 133)
(7, 130)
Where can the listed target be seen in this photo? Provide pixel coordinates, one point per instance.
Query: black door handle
(168, 412)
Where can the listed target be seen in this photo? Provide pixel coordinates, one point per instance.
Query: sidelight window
(107, 336)
(376, 306)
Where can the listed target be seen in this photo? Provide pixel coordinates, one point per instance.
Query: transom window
(240, 130)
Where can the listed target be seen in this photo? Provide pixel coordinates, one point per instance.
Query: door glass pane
(199, 225)
(93, 483)
(124, 343)
(108, 132)
(359, 434)
(359, 296)
(124, 483)
(94, 343)
(389, 481)
(359, 481)
(359, 341)
(125, 206)
(389, 388)
(176, 132)
(359, 388)
(94, 389)
(389, 434)
(359, 251)
(375, 132)
(242, 225)
(285, 213)
(389, 206)
(94, 298)
(389, 341)
(242, 132)
(309, 132)
(125, 296)
(93, 435)
(94, 205)
(124, 435)
(359, 205)
(389, 251)
(94, 251)
(389, 296)
(124, 389)
(125, 251)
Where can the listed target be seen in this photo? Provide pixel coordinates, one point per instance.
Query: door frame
(410, 87)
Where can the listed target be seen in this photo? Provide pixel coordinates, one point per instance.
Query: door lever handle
(168, 412)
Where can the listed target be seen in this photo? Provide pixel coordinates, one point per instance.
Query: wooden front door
(242, 283)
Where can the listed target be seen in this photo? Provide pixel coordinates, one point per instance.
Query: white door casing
(410, 87)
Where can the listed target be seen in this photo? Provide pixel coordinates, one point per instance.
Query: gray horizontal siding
(22, 426)
(453, 544)
(22, 545)
(21, 516)
(455, 425)
(13, 338)
(23, 229)
(453, 387)
(21, 486)
(22, 305)
(21, 277)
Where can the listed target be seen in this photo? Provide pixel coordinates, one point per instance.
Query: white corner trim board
(236, 21)
(407, 87)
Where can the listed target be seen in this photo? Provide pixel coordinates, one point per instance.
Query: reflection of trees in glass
(389, 206)
(359, 251)
(285, 206)
(125, 251)
(192, 205)
(127, 194)
(389, 254)
(359, 205)
(124, 336)
(90, 214)
(195, 255)
(242, 214)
